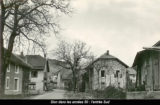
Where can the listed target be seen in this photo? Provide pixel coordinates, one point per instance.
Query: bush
(110, 92)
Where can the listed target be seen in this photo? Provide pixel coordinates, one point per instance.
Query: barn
(147, 64)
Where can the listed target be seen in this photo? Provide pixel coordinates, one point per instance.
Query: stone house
(37, 73)
(17, 76)
(147, 64)
(105, 71)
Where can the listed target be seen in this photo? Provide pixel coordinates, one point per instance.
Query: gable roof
(54, 65)
(17, 60)
(107, 56)
(155, 48)
(157, 44)
(131, 70)
(37, 61)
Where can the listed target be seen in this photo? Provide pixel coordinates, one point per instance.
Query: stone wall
(112, 65)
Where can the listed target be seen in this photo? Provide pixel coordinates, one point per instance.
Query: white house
(37, 73)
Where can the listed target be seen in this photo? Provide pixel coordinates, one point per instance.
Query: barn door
(155, 72)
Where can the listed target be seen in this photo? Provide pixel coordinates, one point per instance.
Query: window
(16, 69)
(7, 82)
(34, 74)
(120, 75)
(16, 84)
(116, 75)
(102, 73)
(8, 68)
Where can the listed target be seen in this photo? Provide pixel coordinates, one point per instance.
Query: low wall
(143, 95)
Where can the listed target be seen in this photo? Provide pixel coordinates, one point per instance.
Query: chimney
(107, 52)
(22, 54)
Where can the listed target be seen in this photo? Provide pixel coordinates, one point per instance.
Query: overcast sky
(121, 26)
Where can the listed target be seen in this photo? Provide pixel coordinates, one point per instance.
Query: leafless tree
(27, 22)
(73, 55)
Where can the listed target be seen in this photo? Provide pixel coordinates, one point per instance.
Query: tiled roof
(108, 56)
(37, 61)
(131, 70)
(17, 60)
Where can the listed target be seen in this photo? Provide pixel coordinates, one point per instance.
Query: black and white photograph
(87, 50)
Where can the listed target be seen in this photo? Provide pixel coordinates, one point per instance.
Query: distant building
(56, 74)
(64, 79)
(147, 64)
(105, 71)
(132, 74)
(37, 73)
(52, 69)
(17, 76)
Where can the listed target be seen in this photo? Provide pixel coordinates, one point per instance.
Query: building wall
(12, 75)
(109, 79)
(149, 68)
(38, 80)
(60, 83)
(25, 80)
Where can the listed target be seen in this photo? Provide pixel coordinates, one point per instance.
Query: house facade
(64, 79)
(17, 76)
(131, 79)
(105, 71)
(147, 64)
(52, 69)
(132, 74)
(37, 73)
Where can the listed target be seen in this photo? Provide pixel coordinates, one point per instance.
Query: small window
(16, 69)
(16, 84)
(103, 83)
(120, 75)
(116, 75)
(34, 74)
(8, 68)
(102, 73)
(7, 82)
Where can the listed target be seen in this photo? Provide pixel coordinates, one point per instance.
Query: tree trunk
(74, 82)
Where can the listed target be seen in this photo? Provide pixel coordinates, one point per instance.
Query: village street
(55, 94)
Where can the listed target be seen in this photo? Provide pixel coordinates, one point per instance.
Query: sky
(123, 27)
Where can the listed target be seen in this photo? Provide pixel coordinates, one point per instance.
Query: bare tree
(73, 55)
(28, 21)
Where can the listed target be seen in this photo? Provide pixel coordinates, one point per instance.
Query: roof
(37, 61)
(147, 50)
(54, 65)
(131, 70)
(18, 61)
(157, 44)
(107, 56)
(66, 74)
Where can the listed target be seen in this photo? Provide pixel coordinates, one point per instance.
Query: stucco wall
(12, 75)
(110, 70)
(39, 81)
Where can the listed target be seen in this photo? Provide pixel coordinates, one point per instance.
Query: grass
(77, 95)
